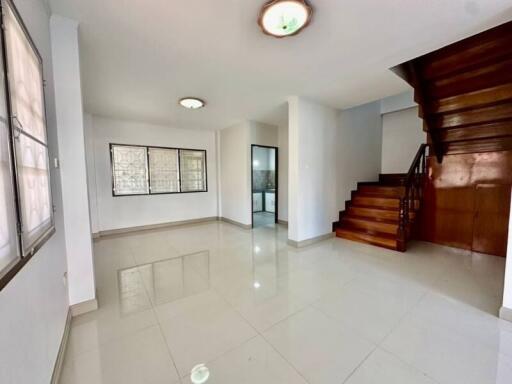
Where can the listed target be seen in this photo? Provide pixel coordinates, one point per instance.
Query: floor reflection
(163, 281)
(256, 310)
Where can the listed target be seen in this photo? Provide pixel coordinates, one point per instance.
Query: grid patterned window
(26, 218)
(163, 170)
(142, 170)
(192, 166)
(130, 170)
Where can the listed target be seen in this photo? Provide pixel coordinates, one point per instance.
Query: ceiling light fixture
(281, 18)
(199, 374)
(192, 103)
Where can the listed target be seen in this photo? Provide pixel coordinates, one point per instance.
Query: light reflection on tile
(164, 281)
(256, 310)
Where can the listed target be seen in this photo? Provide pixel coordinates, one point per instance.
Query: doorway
(264, 185)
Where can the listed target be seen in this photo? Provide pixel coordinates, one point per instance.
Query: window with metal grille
(193, 171)
(163, 170)
(144, 170)
(129, 170)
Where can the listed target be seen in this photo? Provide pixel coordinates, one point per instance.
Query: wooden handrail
(413, 196)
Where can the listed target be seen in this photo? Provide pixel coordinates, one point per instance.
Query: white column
(312, 170)
(70, 127)
(506, 309)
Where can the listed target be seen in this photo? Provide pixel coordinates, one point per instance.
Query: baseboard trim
(282, 222)
(96, 235)
(506, 314)
(149, 227)
(84, 307)
(238, 224)
(57, 368)
(305, 243)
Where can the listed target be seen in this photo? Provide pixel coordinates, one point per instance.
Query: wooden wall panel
(455, 193)
(492, 209)
(448, 216)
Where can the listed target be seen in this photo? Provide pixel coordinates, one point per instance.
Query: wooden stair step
(372, 201)
(375, 213)
(492, 144)
(477, 131)
(392, 178)
(476, 50)
(381, 190)
(491, 75)
(475, 99)
(369, 224)
(368, 237)
(474, 116)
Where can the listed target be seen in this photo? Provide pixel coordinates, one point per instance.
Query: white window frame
(28, 243)
(115, 191)
(148, 164)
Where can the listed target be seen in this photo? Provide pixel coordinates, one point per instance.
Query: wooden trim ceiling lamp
(282, 18)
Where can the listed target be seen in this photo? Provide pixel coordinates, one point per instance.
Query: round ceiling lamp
(281, 18)
(199, 374)
(192, 103)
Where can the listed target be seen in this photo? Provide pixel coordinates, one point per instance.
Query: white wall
(312, 174)
(91, 173)
(402, 134)
(329, 152)
(70, 124)
(358, 149)
(34, 305)
(283, 172)
(235, 154)
(235, 173)
(133, 211)
(397, 102)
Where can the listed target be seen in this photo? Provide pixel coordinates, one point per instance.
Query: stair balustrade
(412, 199)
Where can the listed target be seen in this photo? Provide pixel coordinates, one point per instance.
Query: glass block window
(193, 170)
(28, 124)
(129, 170)
(163, 170)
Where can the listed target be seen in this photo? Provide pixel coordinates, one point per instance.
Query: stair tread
(349, 216)
(382, 235)
(368, 237)
(375, 196)
(377, 208)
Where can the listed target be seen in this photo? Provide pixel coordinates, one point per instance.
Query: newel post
(401, 235)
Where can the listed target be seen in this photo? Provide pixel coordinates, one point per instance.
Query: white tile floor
(255, 310)
(261, 219)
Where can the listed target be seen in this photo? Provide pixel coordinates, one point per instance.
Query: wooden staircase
(384, 213)
(464, 92)
(372, 215)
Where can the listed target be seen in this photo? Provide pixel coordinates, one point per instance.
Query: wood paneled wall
(467, 201)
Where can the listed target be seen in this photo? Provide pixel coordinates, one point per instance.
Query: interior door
(490, 229)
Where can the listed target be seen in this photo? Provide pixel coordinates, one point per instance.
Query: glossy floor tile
(261, 219)
(256, 310)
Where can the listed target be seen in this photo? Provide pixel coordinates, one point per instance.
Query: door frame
(276, 213)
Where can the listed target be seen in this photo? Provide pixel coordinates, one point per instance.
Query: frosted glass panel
(8, 235)
(25, 80)
(193, 171)
(130, 170)
(33, 181)
(163, 170)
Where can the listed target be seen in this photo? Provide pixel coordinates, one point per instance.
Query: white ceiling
(140, 56)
